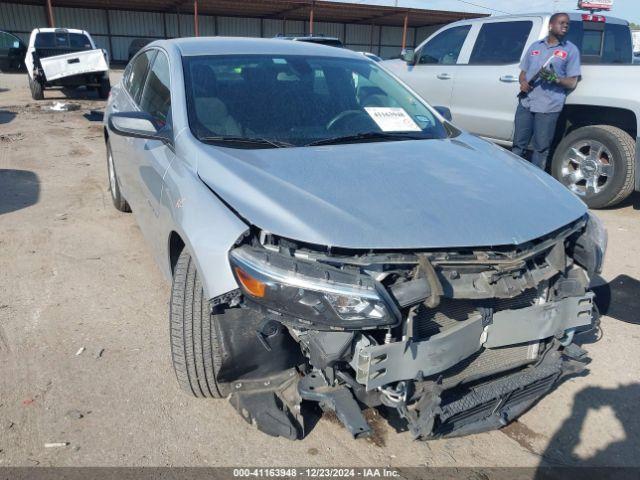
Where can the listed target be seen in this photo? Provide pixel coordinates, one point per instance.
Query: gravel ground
(84, 351)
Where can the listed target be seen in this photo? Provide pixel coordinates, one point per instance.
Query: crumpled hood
(461, 192)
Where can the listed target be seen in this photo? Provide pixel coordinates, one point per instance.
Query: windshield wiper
(368, 136)
(263, 142)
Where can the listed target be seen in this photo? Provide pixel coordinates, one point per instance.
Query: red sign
(595, 4)
(535, 52)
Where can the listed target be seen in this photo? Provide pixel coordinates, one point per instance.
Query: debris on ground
(75, 414)
(99, 352)
(64, 107)
(56, 444)
(80, 350)
(27, 401)
(11, 137)
(9, 425)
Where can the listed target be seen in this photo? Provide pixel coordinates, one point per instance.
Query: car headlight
(313, 294)
(591, 246)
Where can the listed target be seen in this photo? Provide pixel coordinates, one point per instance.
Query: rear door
(434, 73)
(484, 98)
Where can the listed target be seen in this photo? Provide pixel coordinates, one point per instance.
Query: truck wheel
(195, 347)
(37, 90)
(597, 163)
(104, 88)
(114, 187)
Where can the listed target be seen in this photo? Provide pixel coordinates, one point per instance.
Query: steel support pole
(50, 19)
(195, 18)
(404, 31)
(311, 18)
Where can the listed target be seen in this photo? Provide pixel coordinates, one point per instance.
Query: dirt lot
(84, 352)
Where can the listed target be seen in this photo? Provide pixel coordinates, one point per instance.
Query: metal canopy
(323, 11)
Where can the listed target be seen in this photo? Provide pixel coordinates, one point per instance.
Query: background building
(114, 24)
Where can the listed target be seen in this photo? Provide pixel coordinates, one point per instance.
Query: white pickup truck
(472, 68)
(65, 58)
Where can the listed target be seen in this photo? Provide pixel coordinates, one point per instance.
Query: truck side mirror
(408, 55)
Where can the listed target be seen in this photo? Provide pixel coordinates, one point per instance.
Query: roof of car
(572, 16)
(247, 46)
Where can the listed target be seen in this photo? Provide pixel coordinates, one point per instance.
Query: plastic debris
(80, 350)
(64, 107)
(56, 444)
(75, 414)
(99, 352)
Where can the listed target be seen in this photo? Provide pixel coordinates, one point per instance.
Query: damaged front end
(456, 341)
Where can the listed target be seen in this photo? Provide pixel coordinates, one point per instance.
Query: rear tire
(104, 88)
(114, 187)
(195, 342)
(37, 90)
(614, 168)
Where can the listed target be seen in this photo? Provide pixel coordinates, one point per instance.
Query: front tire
(597, 163)
(114, 187)
(37, 90)
(196, 350)
(104, 88)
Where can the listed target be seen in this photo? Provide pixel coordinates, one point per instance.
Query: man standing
(549, 69)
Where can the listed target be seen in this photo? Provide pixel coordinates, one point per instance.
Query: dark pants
(540, 126)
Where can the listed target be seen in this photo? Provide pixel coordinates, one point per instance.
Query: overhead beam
(404, 31)
(50, 18)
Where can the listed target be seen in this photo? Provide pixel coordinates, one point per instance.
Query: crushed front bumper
(379, 365)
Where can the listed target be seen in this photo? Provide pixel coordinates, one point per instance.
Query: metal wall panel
(207, 25)
(238, 27)
(21, 18)
(186, 25)
(102, 41)
(144, 24)
(328, 29)
(392, 36)
(389, 52)
(294, 27)
(272, 27)
(91, 20)
(362, 34)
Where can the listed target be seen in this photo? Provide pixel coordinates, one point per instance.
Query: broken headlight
(310, 293)
(590, 247)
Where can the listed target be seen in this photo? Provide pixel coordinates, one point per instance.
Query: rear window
(62, 39)
(603, 43)
(500, 43)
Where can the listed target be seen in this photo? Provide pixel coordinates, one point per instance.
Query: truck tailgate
(75, 63)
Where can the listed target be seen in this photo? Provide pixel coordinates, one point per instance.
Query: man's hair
(555, 16)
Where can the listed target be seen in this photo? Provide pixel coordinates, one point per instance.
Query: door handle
(509, 79)
(443, 76)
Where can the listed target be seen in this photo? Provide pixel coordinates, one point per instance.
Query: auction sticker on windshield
(392, 119)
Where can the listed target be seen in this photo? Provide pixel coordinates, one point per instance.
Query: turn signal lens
(252, 286)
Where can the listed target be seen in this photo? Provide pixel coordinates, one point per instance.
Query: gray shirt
(565, 58)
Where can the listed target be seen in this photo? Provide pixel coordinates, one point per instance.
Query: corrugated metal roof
(325, 11)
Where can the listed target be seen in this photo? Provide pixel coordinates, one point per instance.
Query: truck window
(63, 39)
(500, 43)
(602, 43)
(156, 98)
(445, 47)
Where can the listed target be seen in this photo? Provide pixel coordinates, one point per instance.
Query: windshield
(62, 39)
(296, 101)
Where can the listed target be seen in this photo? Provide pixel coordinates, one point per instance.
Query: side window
(500, 43)
(445, 47)
(156, 98)
(8, 41)
(135, 80)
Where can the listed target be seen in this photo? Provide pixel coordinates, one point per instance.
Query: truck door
(433, 75)
(484, 98)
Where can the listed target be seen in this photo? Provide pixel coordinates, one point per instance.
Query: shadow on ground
(623, 401)
(6, 116)
(18, 189)
(632, 200)
(620, 299)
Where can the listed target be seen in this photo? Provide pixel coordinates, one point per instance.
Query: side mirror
(445, 112)
(408, 55)
(139, 125)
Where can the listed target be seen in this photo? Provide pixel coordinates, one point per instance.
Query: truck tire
(104, 88)
(37, 90)
(195, 347)
(114, 187)
(597, 163)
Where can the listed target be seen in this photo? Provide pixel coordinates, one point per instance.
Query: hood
(462, 192)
